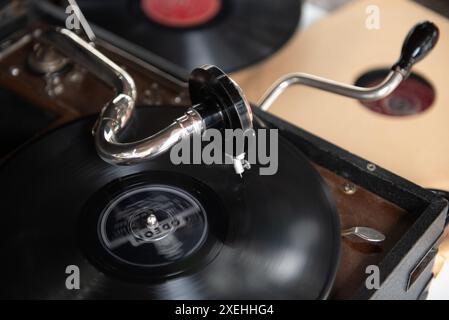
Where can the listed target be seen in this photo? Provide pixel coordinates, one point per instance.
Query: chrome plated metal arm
(217, 101)
(117, 113)
(112, 151)
(210, 110)
(418, 43)
(380, 91)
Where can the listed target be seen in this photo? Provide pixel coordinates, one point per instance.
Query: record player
(88, 181)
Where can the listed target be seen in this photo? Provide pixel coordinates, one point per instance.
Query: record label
(181, 14)
(231, 34)
(153, 226)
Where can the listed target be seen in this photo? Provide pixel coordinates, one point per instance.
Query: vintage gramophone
(243, 237)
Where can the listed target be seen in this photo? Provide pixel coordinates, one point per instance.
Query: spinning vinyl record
(190, 33)
(160, 231)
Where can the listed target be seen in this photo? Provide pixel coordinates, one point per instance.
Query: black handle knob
(418, 43)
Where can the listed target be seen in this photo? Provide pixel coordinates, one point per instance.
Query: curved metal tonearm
(117, 113)
(208, 111)
(217, 101)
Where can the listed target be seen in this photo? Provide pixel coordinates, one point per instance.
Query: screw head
(14, 71)
(349, 188)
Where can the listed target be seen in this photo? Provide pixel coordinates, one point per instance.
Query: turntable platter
(219, 236)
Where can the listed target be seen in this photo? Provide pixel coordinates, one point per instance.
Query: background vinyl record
(260, 237)
(231, 34)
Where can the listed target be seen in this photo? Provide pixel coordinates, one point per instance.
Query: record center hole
(413, 96)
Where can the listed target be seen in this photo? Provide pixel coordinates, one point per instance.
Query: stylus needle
(363, 233)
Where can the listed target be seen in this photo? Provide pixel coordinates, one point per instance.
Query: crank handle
(417, 45)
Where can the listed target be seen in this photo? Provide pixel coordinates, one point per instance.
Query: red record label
(181, 13)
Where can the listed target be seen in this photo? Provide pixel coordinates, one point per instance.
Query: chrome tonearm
(418, 43)
(217, 102)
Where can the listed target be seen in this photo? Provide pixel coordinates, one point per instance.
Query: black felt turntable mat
(269, 237)
(244, 31)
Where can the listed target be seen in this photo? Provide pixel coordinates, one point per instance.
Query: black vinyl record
(218, 236)
(238, 32)
(28, 121)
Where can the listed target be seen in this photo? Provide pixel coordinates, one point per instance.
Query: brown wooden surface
(87, 94)
(365, 209)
